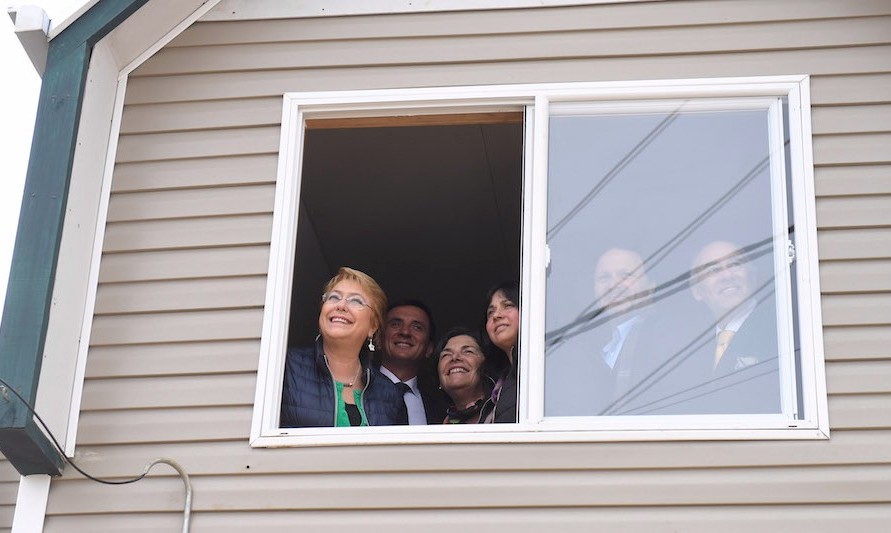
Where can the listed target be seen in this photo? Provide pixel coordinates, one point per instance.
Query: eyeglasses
(352, 302)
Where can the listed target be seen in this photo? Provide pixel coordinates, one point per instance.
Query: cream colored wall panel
(162, 490)
(185, 295)
(859, 377)
(9, 491)
(241, 200)
(165, 426)
(869, 59)
(177, 327)
(173, 358)
(851, 119)
(216, 456)
(853, 180)
(860, 342)
(473, 48)
(855, 244)
(160, 146)
(121, 523)
(857, 309)
(855, 211)
(169, 391)
(616, 15)
(861, 411)
(851, 518)
(172, 234)
(862, 148)
(187, 173)
(792, 485)
(860, 89)
(7, 471)
(201, 115)
(181, 264)
(855, 276)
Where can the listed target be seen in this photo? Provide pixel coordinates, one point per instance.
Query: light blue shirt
(614, 347)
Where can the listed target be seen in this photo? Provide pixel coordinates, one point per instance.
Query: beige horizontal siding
(451, 48)
(179, 174)
(860, 411)
(864, 243)
(856, 276)
(853, 180)
(865, 88)
(174, 346)
(157, 425)
(861, 148)
(201, 115)
(170, 391)
(189, 233)
(175, 145)
(567, 19)
(173, 358)
(852, 119)
(176, 327)
(859, 377)
(859, 211)
(212, 86)
(859, 342)
(181, 295)
(495, 489)
(221, 451)
(689, 519)
(857, 309)
(246, 199)
(9, 488)
(183, 264)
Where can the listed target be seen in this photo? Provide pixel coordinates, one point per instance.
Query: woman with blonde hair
(333, 383)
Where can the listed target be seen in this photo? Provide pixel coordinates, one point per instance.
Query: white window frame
(535, 99)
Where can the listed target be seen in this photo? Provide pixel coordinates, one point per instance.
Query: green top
(343, 419)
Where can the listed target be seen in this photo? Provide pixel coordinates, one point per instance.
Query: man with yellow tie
(738, 370)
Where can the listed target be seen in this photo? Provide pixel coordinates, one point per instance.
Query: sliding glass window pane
(666, 232)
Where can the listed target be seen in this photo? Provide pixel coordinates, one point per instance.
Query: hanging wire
(672, 363)
(6, 388)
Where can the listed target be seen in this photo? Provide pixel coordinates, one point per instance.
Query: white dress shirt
(417, 416)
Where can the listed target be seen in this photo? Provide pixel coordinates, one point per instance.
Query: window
(645, 221)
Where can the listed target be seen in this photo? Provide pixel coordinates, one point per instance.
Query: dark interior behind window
(432, 212)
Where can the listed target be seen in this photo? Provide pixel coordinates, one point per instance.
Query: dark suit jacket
(746, 379)
(435, 401)
(578, 382)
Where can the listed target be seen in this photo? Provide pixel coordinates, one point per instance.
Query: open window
(428, 205)
(440, 193)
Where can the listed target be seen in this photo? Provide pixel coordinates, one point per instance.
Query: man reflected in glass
(624, 291)
(736, 371)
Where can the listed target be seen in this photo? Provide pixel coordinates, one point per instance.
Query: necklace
(345, 384)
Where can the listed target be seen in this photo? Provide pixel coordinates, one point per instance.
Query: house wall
(175, 339)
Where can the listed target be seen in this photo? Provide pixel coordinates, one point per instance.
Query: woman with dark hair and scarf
(463, 378)
(502, 342)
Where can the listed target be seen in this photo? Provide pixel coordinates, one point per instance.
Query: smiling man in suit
(737, 371)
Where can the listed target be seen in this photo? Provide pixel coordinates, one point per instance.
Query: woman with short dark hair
(463, 378)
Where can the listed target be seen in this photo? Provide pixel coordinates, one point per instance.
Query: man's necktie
(724, 337)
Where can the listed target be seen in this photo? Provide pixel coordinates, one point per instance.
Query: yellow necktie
(724, 337)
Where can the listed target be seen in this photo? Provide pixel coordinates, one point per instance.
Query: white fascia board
(56, 28)
(151, 27)
(272, 9)
(32, 28)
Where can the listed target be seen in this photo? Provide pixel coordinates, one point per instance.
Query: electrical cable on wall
(5, 388)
